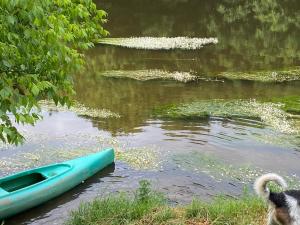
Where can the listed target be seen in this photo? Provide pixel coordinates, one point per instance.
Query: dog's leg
(271, 221)
(271, 214)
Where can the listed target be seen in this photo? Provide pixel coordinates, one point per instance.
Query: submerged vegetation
(75, 145)
(269, 113)
(289, 104)
(79, 109)
(149, 207)
(139, 158)
(264, 76)
(160, 43)
(220, 170)
(184, 76)
(144, 75)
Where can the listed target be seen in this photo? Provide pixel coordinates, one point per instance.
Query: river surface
(184, 159)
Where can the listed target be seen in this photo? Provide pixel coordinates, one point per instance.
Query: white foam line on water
(159, 43)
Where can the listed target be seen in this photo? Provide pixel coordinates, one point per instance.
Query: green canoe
(30, 188)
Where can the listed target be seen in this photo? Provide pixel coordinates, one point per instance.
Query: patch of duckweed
(264, 76)
(220, 170)
(79, 109)
(144, 75)
(269, 113)
(159, 43)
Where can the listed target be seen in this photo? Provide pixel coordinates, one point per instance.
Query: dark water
(194, 158)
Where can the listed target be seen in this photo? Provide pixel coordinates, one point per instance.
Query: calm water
(192, 158)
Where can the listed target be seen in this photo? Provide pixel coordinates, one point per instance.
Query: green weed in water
(220, 170)
(144, 75)
(79, 109)
(290, 104)
(269, 113)
(264, 76)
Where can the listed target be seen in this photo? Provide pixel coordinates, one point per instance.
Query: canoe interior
(22, 182)
(28, 178)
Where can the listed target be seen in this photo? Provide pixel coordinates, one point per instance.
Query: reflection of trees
(253, 35)
(135, 100)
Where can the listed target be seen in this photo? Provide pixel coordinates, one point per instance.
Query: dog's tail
(260, 185)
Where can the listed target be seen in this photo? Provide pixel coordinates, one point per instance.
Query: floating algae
(79, 109)
(264, 76)
(160, 43)
(208, 164)
(77, 145)
(140, 157)
(290, 104)
(144, 75)
(269, 113)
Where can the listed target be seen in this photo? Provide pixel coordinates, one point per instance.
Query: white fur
(294, 210)
(260, 185)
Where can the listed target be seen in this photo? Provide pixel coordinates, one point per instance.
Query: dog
(284, 207)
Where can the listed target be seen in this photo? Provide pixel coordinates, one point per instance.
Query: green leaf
(41, 45)
(35, 90)
(6, 63)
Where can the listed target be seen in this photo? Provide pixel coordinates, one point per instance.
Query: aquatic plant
(290, 104)
(79, 109)
(152, 208)
(144, 75)
(66, 147)
(159, 43)
(140, 157)
(220, 170)
(269, 113)
(264, 76)
(214, 167)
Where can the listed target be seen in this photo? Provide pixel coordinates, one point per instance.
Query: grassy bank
(149, 207)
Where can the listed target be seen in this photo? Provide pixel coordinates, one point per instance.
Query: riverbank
(148, 207)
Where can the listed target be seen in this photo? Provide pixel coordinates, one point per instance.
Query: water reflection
(252, 34)
(135, 100)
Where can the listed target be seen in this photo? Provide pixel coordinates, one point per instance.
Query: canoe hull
(58, 179)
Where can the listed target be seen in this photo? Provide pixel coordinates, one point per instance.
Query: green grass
(148, 207)
(244, 211)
